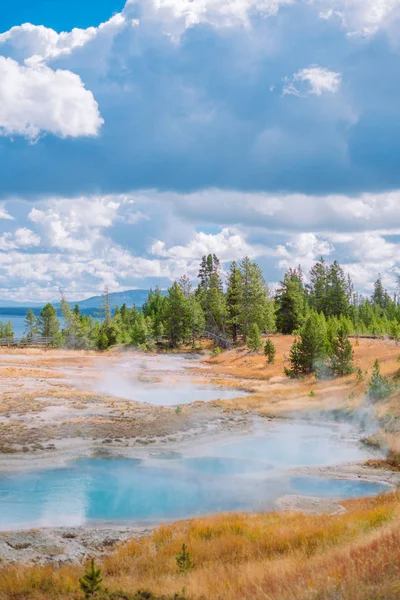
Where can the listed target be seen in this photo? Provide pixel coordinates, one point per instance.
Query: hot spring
(247, 472)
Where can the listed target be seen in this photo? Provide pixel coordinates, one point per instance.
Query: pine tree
(49, 325)
(106, 306)
(342, 353)
(213, 303)
(184, 561)
(196, 319)
(317, 288)
(270, 350)
(255, 299)
(379, 386)
(91, 581)
(309, 352)
(254, 342)
(234, 301)
(337, 300)
(31, 325)
(177, 316)
(289, 302)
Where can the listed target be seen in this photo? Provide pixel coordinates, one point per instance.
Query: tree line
(238, 306)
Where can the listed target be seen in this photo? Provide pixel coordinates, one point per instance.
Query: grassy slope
(355, 555)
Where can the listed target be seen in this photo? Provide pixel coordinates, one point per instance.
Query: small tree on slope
(254, 342)
(342, 354)
(91, 581)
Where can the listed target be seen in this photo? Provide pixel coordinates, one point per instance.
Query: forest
(238, 306)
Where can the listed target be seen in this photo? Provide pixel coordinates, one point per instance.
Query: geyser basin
(158, 380)
(244, 473)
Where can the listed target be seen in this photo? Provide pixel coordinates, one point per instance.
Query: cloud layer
(176, 128)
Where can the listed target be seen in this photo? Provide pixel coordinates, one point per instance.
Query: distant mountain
(129, 297)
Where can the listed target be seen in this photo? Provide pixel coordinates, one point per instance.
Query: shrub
(90, 583)
(184, 561)
(342, 354)
(270, 351)
(254, 342)
(379, 386)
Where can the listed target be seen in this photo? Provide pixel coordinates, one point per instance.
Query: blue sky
(137, 136)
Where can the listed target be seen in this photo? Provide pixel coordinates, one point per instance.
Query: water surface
(249, 472)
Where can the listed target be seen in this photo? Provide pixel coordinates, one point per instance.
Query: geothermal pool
(247, 472)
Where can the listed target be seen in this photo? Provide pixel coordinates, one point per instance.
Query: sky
(136, 137)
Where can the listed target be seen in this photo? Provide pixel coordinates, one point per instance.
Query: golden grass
(355, 555)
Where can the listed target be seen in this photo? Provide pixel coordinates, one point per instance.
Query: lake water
(16, 315)
(248, 472)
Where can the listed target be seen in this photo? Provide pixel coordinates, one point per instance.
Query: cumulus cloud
(36, 99)
(21, 238)
(229, 244)
(35, 43)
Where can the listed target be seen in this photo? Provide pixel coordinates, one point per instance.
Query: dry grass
(355, 556)
(276, 395)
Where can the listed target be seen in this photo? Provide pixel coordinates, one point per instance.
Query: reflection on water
(244, 473)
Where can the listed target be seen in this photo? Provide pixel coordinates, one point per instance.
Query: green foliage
(290, 302)
(379, 387)
(31, 325)
(178, 410)
(308, 353)
(359, 375)
(270, 350)
(342, 354)
(312, 394)
(48, 323)
(6, 331)
(90, 583)
(254, 342)
(217, 351)
(234, 301)
(177, 316)
(184, 561)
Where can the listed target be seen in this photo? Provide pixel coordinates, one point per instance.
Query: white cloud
(4, 214)
(21, 238)
(317, 79)
(361, 17)
(303, 249)
(229, 244)
(178, 15)
(35, 43)
(38, 99)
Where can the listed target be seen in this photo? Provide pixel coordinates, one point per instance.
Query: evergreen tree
(234, 301)
(379, 386)
(337, 299)
(270, 350)
(308, 354)
(153, 309)
(177, 316)
(196, 319)
(254, 342)
(212, 300)
(49, 325)
(31, 325)
(184, 561)
(255, 299)
(342, 353)
(106, 306)
(317, 288)
(380, 298)
(289, 302)
(91, 581)
(139, 331)
(210, 265)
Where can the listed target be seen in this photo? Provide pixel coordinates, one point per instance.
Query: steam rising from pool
(158, 380)
(246, 472)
